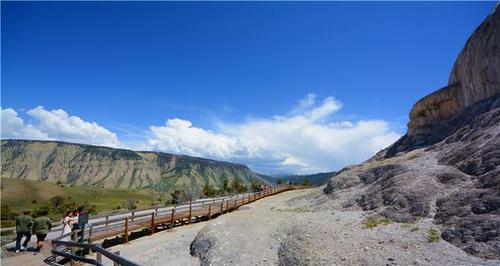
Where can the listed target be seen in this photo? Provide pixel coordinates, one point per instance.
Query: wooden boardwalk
(122, 227)
(178, 215)
(147, 223)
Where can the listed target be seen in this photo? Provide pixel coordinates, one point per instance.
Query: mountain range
(95, 166)
(317, 179)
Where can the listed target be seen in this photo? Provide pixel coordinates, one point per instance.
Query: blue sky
(207, 79)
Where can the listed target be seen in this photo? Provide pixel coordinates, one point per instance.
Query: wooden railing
(70, 253)
(176, 215)
(165, 218)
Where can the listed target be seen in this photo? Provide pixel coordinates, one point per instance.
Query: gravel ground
(296, 228)
(170, 247)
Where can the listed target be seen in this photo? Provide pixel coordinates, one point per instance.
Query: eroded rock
(447, 167)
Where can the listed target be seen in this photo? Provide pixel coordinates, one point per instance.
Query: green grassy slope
(21, 195)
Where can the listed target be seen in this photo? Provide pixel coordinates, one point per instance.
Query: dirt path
(172, 247)
(169, 247)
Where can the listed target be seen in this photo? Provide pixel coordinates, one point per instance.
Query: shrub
(225, 186)
(372, 222)
(433, 235)
(306, 181)
(209, 191)
(92, 209)
(56, 201)
(279, 181)
(7, 213)
(256, 186)
(42, 210)
(178, 196)
(34, 201)
(69, 206)
(238, 187)
(130, 204)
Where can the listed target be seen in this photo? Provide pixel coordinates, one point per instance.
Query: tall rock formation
(447, 166)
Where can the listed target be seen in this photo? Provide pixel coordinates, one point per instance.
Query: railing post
(91, 230)
(152, 222)
(114, 262)
(72, 249)
(209, 211)
(126, 229)
(107, 219)
(190, 212)
(172, 217)
(227, 206)
(133, 213)
(235, 202)
(98, 257)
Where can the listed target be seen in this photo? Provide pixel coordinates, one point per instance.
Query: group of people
(26, 225)
(72, 221)
(41, 226)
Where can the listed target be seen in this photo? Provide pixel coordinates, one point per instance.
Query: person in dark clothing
(83, 219)
(41, 228)
(23, 228)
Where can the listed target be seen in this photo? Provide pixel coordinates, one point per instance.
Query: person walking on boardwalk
(41, 228)
(82, 220)
(67, 223)
(24, 223)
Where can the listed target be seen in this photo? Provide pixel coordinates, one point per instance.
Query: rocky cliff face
(87, 165)
(447, 167)
(475, 76)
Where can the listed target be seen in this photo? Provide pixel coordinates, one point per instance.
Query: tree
(7, 213)
(306, 181)
(279, 181)
(56, 201)
(178, 196)
(92, 209)
(40, 211)
(131, 204)
(225, 186)
(238, 187)
(256, 186)
(69, 206)
(209, 191)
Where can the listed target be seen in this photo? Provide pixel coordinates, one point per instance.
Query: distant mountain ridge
(96, 166)
(317, 179)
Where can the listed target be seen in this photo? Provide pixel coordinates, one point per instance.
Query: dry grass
(372, 222)
(433, 235)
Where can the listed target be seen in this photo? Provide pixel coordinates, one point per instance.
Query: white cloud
(179, 136)
(55, 125)
(301, 141)
(13, 127)
(304, 140)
